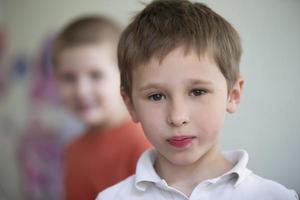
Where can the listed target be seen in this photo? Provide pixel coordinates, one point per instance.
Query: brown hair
(164, 25)
(83, 31)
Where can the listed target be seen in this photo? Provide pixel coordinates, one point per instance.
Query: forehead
(178, 65)
(87, 56)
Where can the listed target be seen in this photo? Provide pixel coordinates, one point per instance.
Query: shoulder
(260, 187)
(76, 145)
(122, 190)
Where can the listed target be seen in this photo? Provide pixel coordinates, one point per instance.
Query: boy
(87, 77)
(179, 64)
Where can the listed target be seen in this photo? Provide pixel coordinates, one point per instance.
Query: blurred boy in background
(88, 81)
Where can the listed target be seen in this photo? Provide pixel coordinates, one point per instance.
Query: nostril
(177, 122)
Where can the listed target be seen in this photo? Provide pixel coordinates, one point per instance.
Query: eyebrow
(191, 81)
(199, 82)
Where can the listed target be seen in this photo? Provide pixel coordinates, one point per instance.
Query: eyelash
(159, 96)
(96, 75)
(153, 97)
(68, 78)
(197, 92)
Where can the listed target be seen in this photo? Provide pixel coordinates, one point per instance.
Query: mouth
(84, 107)
(181, 141)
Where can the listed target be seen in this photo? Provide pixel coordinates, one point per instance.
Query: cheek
(152, 122)
(110, 85)
(153, 133)
(210, 122)
(107, 93)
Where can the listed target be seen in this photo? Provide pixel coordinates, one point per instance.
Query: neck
(210, 165)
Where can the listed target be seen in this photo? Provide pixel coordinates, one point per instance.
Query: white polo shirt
(237, 184)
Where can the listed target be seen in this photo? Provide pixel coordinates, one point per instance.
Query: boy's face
(88, 82)
(181, 103)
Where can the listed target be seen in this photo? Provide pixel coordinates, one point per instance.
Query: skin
(183, 96)
(87, 79)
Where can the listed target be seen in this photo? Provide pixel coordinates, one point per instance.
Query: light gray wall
(267, 123)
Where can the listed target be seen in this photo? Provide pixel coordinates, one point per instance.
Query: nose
(82, 88)
(178, 114)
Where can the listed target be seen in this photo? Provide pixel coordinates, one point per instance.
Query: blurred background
(34, 126)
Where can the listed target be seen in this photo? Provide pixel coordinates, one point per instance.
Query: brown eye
(197, 92)
(68, 77)
(156, 97)
(96, 75)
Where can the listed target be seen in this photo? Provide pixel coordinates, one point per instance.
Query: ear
(234, 95)
(130, 107)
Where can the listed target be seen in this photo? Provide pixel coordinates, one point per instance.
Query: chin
(92, 121)
(183, 159)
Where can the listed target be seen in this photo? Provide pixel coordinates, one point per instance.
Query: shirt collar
(146, 174)
(239, 159)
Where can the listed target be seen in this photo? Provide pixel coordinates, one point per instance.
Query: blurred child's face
(88, 81)
(181, 103)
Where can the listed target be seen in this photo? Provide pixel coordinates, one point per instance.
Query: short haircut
(86, 30)
(164, 25)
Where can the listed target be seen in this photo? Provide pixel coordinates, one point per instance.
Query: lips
(181, 141)
(84, 106)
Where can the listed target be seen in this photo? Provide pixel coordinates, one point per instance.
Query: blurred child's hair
(167, 24)
(86, 30)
